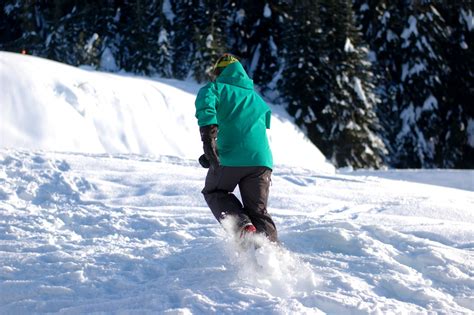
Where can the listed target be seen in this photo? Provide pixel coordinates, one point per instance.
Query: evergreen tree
(305, 67)
(241, 18)
(328, 84)
(23, 26)
(9, 27)
(165, 52)
(140, 30)
(254, 32)
(421, 87)
(78, 37)
(54, 42)
(65, 41)
(209, 37)
(407, 38)
(458, 132)
(107, 27)
(379, 21)
(264, 43)
(354, 136)
(186, 35)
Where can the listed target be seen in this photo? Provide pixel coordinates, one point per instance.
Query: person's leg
(220, 184)
(254, 189)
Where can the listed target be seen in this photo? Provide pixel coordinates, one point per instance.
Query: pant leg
(220, 184)
(254, 189)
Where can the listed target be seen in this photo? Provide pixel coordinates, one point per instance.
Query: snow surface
(92, 233)
(116, 232)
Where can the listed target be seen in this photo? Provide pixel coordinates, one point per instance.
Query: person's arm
(206, 105)
(206, 111)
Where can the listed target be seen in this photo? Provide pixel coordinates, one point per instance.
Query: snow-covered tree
(164, 66)
(254, 35)
(328, 85)
(241, 17)
(22, 26)
(264, 41)
(421, 90)
(186, 32)
(354, 135)
(379, 21)
(165, 61)
(79, 34)
(210, 37)
(306, 72)
(458, 132)
(139, 28)
(407, 39)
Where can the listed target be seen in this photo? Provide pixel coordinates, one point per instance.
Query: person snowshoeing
(232, 120)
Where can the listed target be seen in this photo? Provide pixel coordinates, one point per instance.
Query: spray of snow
(273, 269)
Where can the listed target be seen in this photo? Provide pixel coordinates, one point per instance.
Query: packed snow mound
(51, 106)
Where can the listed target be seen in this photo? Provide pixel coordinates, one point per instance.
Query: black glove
(204, 161)
(208, 137)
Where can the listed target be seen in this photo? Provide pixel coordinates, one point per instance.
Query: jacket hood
(234, 74)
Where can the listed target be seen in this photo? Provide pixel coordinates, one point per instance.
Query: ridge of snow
(51, 106)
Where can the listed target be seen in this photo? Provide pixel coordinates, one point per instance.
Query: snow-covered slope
(102, 234)
(51, 106)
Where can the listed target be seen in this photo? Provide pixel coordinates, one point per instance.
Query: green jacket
(242, 116)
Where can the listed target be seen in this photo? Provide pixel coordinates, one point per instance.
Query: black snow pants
(254, 186)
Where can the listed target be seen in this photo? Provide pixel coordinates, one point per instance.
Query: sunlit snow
(101, 213)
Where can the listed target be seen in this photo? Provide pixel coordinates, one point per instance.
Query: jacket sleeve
(206, 105)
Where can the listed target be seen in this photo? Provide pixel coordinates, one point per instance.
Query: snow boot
(248, 235)
(247, 230)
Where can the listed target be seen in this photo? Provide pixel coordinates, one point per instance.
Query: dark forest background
(372, 83)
